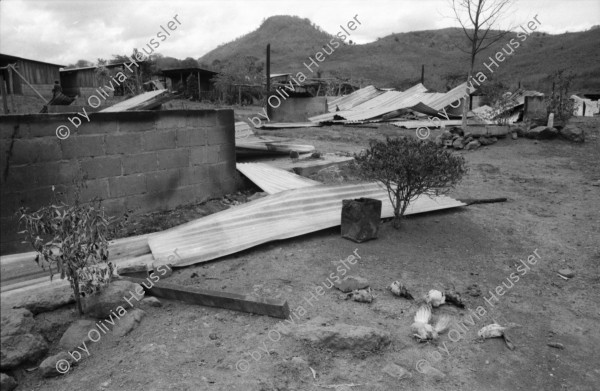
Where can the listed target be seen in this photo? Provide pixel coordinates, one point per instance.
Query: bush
(408, 168)
(71, 240)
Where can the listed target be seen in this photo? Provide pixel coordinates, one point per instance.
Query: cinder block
(101, 167)
(45, 149)
(53, 173)
(213, 154)
(198, 156)
(96, 126)
(161, 181)
(218, 172)
(19, 178)
(193, 175)
(83, 146)
(36, 198)
(220, 135)
(197, 119)
(136, 126)
(127, 185)
(225, 118)
(157, 140)
(123, 143)
(169, 121)
(173, 158)
(141, 162)
(192, 137)
(97, 188)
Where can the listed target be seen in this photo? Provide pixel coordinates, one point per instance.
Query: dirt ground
(553, 208)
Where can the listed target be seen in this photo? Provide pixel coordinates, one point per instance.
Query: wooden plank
(226, 300)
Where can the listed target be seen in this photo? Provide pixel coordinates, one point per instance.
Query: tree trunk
(77, 294)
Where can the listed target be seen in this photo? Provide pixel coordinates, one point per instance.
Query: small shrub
(559, 101)
(408, 168)
(71, 240)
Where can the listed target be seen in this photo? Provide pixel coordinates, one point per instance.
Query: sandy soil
(553, 209)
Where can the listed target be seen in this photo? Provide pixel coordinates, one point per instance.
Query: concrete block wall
(142, 161)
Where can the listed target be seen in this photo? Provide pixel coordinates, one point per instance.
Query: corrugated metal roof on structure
(354, 99)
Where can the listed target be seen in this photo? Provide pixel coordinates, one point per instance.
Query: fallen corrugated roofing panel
(255, 146)
(243, 130)
(381, 104)
(283, 125)
(427, 124)
(274, 217)
(273, 180)
(145, 101)
(340, 103)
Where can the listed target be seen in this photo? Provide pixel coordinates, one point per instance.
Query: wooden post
(4, 95)
(25, 80)
(422, 73)
(199, 89)
(268, 70)
(240, 95)
(11, 91)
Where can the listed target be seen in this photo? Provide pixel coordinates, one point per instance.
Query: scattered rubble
(361, 296)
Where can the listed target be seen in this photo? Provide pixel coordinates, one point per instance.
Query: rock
(433, 373)
(572, 133)
(20, 349)
(457, 130)
(468, 135)
(352, 283)
(213, 336)
(152, 301)
(468, 140)
(316, 155)
(339, 335)
(446, 135)
(114, 295)
(519, 132)
(566, 272)
(473, 145)
(447, 143)
(458, 143)
(16, 321)
(541, 133)
(485, 141)
(294, 155)
(556, 345)
(396, 371)
(439, 141)
(76, 334)
(45, 300)
(7, 383)
(128, 322)
(48, 366)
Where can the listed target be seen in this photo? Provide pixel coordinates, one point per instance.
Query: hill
(395, 60)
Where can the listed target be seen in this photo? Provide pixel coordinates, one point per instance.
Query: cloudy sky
(64, 31)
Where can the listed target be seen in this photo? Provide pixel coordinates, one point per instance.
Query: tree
(478, 18)
(559, 101)
(408, 168)
(71, 240)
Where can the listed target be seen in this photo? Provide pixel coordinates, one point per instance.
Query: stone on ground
(76, 334)
(128, 322)
(7, 383)
(114, 295)
(152, 301)
(396, 371)
(473, 145)
(572, 133)
(16, 321)
(352, 283)
(16, 350)
(48, 366)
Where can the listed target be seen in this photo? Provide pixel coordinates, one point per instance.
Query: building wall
(144, 161)
(298, 109)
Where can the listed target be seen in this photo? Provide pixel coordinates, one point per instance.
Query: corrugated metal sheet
(378, 106)
(144, 101)
(354, 99)
(243, 130)
(448, 98)
(426, 123)
(256, 146)
(273, 180)
(279, 216)
(284, 125)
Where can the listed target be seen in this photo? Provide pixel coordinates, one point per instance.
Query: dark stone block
(360, 219)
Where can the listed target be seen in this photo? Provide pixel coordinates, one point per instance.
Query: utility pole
(422, 73)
